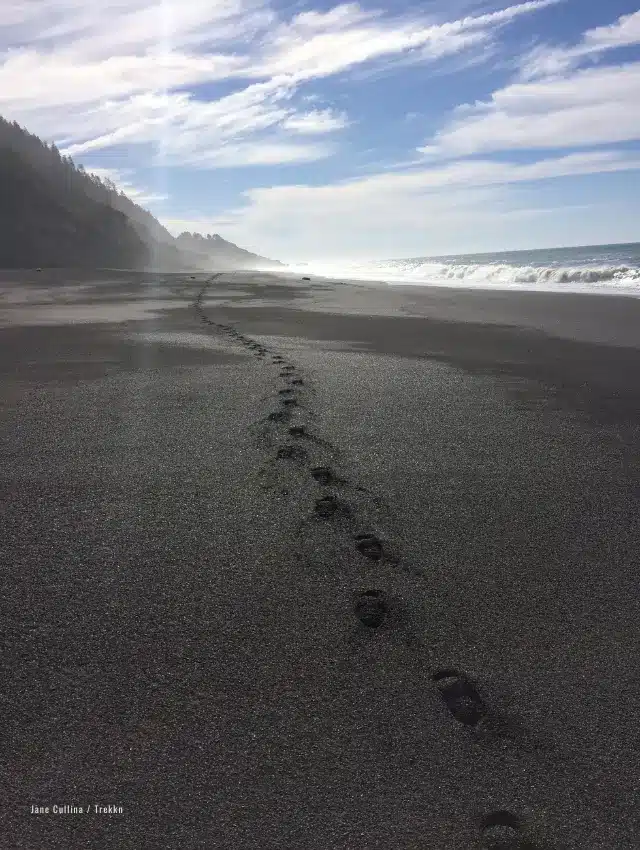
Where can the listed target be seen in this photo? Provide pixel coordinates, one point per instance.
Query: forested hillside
(54, 213)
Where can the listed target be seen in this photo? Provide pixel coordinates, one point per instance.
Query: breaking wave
(623, 279)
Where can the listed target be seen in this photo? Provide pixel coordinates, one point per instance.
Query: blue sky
(328, 132)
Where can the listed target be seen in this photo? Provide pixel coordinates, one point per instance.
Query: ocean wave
(505, 274)
(605, 274)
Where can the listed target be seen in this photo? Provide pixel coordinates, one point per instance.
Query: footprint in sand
(329, 507)
(369, 546)
(371, 608)
(502, 830)
(274, 475)
(292, 386)
(377, 613)
(375, 549)
(323, 475)
(289, 452)
(326, 507)
(279, 415)
(302, 432)
(326, 477)
(460, 696)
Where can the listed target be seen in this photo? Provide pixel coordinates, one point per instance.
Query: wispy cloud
(96, 30)
(546, 61)
(555, 104)
(182, 125)
(259, 153)
(587, 107)
(316, 122)
(124, 72)
(320, 44)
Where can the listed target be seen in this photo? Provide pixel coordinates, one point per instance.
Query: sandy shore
(182, 633)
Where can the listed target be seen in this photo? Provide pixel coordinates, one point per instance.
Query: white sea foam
(598, 278)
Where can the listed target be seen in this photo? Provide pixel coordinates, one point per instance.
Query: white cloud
(119, 72)
(549, 61)
(31, 79)
(259, 153)
(593, 106)
(625, 31)
(316, 122)
(461, 173)
(554, 103)
(408, 213)
(320, 44)
(181, 125)
(96, 30)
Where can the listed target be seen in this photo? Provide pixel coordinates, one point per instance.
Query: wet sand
(181, 605)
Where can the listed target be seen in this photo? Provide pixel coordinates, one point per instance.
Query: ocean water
(594, 268)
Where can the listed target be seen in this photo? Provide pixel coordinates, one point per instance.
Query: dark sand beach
(183, 631)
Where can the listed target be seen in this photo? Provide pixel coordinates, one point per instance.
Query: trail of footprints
(372, 609)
